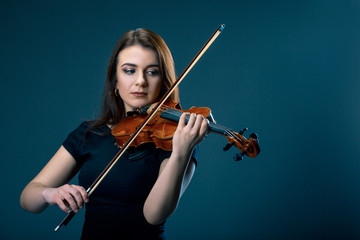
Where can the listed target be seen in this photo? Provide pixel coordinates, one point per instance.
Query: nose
(141, 80)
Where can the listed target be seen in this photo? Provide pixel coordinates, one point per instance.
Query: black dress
(115, 208)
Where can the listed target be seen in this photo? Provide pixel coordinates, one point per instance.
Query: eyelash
(153, 72)
(130, 71)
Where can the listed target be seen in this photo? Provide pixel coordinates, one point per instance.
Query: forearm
(166, 192)
(177, 172)
(32, 199)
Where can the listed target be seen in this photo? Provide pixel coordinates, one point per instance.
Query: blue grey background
(288, 70)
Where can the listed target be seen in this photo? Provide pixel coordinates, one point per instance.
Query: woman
(144, 187)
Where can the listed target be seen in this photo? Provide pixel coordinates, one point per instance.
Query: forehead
(137, 55)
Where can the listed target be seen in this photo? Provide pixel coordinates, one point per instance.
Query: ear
(115, 82)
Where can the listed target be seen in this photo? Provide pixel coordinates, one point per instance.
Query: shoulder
(82, 127)
(86, 127)
(79, 131)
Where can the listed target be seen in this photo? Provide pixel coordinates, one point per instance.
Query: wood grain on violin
(161, 128)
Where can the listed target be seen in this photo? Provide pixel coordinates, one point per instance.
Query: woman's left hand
(188, 135)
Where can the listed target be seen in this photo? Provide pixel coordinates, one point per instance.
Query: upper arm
(61, 168)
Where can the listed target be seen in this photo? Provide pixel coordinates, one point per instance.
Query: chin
(140, 104)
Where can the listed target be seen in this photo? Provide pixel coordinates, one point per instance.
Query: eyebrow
(134, 65)
(129, 64)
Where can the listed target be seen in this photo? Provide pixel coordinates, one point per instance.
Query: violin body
(159, 130)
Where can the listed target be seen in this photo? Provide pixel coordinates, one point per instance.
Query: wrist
(46, 192)
(180, 156)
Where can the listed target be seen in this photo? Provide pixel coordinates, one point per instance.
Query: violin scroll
(248, 147)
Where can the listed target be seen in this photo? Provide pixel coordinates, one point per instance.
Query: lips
(139, 94)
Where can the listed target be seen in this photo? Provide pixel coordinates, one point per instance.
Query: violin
(147, 128)
(161, 128)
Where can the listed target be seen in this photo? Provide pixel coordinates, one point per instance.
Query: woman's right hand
(66, 197)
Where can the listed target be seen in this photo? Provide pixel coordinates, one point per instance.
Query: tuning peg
(238, 156)
(228, 146)
(254, 136)
(242, 131)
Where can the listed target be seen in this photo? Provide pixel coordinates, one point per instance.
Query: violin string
(164, 107)
(227, 131)
(233, 135)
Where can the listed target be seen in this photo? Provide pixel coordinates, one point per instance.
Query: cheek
(121, 82)
(157, 88)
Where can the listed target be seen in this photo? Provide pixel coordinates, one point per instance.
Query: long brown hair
(113, 110)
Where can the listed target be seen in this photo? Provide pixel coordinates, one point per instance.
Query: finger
(204, 127)
(182, 120)
(76, 194)
(192, 120)
(70, 201)
(83, 193)
(63, 205)
(71, 197)
(198, 121)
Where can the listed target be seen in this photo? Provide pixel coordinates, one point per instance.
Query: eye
(129, 71)
(153, 72)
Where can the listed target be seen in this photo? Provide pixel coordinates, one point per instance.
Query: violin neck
(174, 115)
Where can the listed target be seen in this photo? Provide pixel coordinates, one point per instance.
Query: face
(138, 77)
